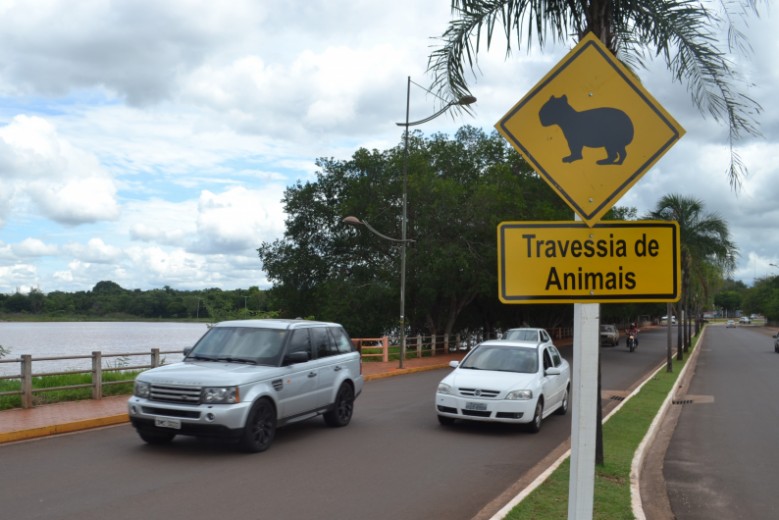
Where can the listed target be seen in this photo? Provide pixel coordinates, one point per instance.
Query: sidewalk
(51, 419)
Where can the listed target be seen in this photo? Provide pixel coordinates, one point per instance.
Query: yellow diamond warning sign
(569, 262)
(590, 129)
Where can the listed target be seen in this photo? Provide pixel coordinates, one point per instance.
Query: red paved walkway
(20, 424)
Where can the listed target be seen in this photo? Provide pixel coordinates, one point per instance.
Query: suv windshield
(241, 345)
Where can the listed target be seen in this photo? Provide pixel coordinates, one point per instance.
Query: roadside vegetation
(622, 434)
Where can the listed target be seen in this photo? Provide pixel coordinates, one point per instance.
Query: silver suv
(243, 379)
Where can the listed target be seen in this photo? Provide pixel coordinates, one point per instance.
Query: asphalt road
(393, 461)
(722, 459)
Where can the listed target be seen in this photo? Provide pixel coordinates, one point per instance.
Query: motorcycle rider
(634, 331)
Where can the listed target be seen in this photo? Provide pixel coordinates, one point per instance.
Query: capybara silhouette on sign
(606, 127)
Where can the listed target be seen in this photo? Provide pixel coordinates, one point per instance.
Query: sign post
(591, 131)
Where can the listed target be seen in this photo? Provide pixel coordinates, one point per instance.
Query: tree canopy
(683, 33)
(459, 190)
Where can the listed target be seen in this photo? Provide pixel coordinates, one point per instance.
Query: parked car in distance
(744, 320)
(507, 381)
(730, 324)
(609, 335)
(245, 378)
(664, 319)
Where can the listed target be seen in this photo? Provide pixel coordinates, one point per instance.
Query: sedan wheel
(535, 425)
(445, 421)
(563, 405)
(260, 427)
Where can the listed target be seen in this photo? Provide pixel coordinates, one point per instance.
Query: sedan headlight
(220, 395)
(141, 389)
(443, 388)
(521, 395)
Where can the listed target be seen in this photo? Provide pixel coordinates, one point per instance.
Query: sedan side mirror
(454, 364)
(552, 371)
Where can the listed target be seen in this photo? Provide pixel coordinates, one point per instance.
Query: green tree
(729, 300)
(458, 190)
(762, 298)
(684, 33)
(705, 242)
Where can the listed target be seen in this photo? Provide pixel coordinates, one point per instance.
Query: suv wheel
(260, 427)
(342, 410)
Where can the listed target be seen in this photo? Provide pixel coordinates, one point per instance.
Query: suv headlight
(141, 389)
(220, 395)
(519, 395)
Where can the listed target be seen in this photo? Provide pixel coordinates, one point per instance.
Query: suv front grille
(175, 394)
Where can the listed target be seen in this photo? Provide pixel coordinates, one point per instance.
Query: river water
(53, 339)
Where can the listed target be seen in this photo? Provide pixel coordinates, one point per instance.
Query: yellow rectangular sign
(570, 262)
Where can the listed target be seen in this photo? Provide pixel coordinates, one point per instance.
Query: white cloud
(95, 251)
(31, 247)
(150, 143)
(238, 220)
(66, 184)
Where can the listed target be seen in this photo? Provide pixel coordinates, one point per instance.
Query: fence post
(97, 375)
(446, 343)
(457, 342)
(385, 349)
(419, 346)
(155, 357)
(432, 345)
(26, 381)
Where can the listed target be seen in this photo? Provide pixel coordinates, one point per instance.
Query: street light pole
(464, 101)
(403, 230)
(404, 240)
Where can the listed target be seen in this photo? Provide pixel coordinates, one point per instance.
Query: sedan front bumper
(485, 410)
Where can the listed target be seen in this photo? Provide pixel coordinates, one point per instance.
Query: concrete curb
(404, 371)
(638, 458)
(650, 441)
(68, 427)
(112, 420)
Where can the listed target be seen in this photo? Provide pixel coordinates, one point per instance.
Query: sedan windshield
(503, 359)
(240, 345)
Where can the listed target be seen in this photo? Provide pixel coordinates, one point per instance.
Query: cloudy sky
(149, 142)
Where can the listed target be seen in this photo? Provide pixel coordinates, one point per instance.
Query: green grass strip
(622, 434)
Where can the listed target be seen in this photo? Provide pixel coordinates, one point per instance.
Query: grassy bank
(622, 434)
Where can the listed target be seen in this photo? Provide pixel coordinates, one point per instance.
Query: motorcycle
(632, 342)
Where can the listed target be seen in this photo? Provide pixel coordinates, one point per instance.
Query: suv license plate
(174, 424)
(479, 407)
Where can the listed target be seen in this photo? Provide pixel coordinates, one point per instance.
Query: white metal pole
(581, 488)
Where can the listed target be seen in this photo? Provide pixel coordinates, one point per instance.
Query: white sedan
(506, 381)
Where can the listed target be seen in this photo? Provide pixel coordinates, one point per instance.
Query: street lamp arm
(354, 221)
(464, 101)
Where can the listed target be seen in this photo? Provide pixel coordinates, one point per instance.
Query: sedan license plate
(174, 424)
(479, 407)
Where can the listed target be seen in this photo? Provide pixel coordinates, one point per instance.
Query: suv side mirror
(296, 357)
